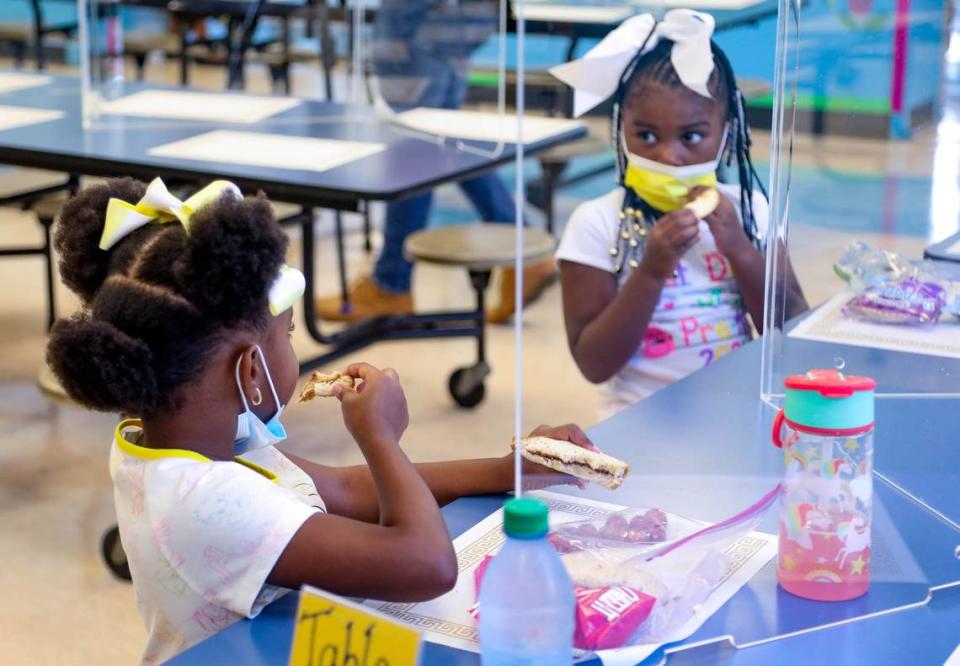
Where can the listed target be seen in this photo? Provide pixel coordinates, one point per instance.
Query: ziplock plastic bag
(645, 552)
(891, 290)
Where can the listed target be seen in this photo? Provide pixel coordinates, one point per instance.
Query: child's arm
(389, 541)
(408, 555)
(350, 491)
(606, 326)
(749, 265)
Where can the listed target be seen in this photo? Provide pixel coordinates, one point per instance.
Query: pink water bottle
(826, 432)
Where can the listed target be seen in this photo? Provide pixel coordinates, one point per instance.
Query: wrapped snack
(640, 574)
(607, 617)
(862, 265)
(907, 301)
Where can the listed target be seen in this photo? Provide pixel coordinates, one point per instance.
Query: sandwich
(574, 460)
(704, 204)
(321, 385)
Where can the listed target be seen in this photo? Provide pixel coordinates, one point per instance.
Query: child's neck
(205, 424)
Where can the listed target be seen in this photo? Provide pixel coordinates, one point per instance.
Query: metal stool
(479, 248)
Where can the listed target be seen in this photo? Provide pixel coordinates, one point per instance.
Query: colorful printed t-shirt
(201, 536)
(700, 316)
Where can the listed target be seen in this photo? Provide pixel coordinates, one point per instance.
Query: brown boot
(536, 278)
(367, 300)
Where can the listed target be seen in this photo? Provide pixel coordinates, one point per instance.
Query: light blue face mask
(252, 432)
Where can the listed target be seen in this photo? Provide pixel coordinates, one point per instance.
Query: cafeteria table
(410, 163)
(718, 459)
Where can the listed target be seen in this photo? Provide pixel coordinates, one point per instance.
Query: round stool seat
(477, 247)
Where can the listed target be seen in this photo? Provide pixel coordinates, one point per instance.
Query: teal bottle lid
(525, 518)
(829, 401)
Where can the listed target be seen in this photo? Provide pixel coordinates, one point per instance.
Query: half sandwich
(574, 460)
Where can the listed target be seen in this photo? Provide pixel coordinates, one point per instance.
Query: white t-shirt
(201, 536)
(700, 316)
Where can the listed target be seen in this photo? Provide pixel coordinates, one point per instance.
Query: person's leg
(393, 271)
(490, 197)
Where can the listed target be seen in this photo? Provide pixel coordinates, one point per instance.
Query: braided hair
(636, 215)
(160, 302)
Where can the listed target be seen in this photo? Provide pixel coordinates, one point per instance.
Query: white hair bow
(596, 75)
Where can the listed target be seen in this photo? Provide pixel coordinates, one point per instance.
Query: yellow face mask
(663, 192)
(665, 187)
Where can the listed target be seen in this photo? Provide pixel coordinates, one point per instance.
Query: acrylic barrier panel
(700, 448)
(421, 73)
(849, 217)
(198, 64)
(697, 459)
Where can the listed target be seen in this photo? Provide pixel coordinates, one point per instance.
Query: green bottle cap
(525, 518)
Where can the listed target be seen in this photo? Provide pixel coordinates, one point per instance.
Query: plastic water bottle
(526, 597)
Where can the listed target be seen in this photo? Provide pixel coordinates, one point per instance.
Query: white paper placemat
(547, 11)
(827, 324)
(11, 81)
(482, 126)
(183, 105)
(446, 620)
(277, 151)
(20, 116)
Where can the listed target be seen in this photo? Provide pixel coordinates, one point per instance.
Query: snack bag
(608, 616)
(679, 563)
(907, 301)
(890, 289)
(639, 574)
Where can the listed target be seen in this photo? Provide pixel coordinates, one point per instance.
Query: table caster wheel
(466, 385)
(113, 554)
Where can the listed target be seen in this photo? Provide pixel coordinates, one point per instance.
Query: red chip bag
(608, 616)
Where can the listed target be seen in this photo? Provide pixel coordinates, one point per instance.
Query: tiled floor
(61, 606)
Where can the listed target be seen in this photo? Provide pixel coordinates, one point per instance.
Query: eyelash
(688, 137)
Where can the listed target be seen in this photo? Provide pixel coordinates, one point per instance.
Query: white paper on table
(828, 324)
(11, 81)
(548, 11)
(20, 116)
(276, 151)
(482, 126)
(184, 105)
(560, 12)
(446, 620)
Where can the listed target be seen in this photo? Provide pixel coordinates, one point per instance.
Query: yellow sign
(331, 631)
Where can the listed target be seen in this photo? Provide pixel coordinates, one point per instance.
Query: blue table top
(119, 145)
(715, 464)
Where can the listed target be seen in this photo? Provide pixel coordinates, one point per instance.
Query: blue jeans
(436, 71)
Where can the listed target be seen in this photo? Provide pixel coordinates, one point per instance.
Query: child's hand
(377, 409)
(537, 476)
(668, 240)
(725, 226)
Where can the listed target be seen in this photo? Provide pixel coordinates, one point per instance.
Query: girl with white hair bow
(654, 285)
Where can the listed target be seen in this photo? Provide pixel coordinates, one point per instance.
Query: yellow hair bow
(158, 205)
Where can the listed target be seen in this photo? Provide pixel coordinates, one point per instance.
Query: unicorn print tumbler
(826, 432)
